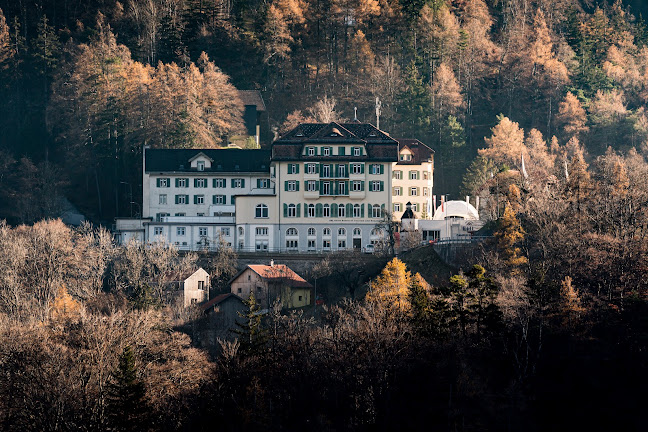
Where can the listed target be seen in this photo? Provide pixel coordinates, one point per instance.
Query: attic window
(237, 167)
(299, 134)
(200, 165)
(219, 167)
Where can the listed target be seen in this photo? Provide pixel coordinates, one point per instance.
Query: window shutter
(242, 182)
(195, 198)
(361, 211)
(177, 198)
(349, 210)
(305, 168)
(195, 182)
(297, 186)
(298, 210)
(158, 182)
(286, 185)
(317, 168)
(290, 168)
(382, 186)
(296, 169)
(232, 182)
(341, 151)
(381, 169)
(285, 210)
(361, 168)
(258, 183)
(317, 185)
(233, 200)
(319, 210)
(362, 185)
(177, 182)
(334, 210)
(382, 209)
(369, 210)
(346, 187)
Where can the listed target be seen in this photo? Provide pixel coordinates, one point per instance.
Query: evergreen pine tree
(252, 335)
(126, 404)
(415, 102)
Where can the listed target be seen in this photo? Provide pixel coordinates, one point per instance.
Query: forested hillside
(84, 84)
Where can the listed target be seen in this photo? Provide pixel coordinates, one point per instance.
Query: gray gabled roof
(224, 160)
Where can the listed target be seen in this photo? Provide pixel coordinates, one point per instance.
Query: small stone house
(270, 283)
(193, 286)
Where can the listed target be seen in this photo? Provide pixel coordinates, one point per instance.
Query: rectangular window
(263, 183)
(326, 188)
(218, 199)
(356, 211)
(163, 182)
(425, 191)
(342, 188)
(398, 175)
(426, 175)
(225, 231)
(414, 175)
(292, 210)
(219, 182)
(262, 231)
(238, 183)
(200, 165)
(200, 182)
(199, 199)
(182, 199)
(180, 231)
(158, 231)
(375, 211)
(376, 169)
(311, 151)
(202, 231)
(341, 210)
(397, 207)
(357, 151)
(326, 170)
(341, 244)
(311, 168)
(357, 186)
(413, 191)
(326, 244)
(375, 186)
(311, 245)
(397, 191)
(326, 151)
(431, 235)
(291, 244)
(163, 199)
(342, 171)
(311, 185)
(406, 157)
(200, 214)
(182, 182)
(356, 169)
(415, 207)
(293, 169)
(291, 186)
(180, 214)
(311, 210)
(327, 210)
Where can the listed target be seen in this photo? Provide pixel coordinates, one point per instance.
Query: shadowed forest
(535, 106)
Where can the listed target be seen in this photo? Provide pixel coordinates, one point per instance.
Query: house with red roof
(272, 283)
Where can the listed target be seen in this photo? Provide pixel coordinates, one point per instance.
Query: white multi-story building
(413, 179)
(323, 187)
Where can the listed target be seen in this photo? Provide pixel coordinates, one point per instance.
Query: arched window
(241, 231)
(311, 210)
(311, 231)
(291, 232)
(375, 211)
(292, 210)
(261, 211)
(341, 232)
(356, 210)
(327, 210)
(326, 232)
(357, 232)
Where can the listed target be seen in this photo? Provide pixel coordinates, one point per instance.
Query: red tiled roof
(218, 300)
(420, 151)
(280, 272)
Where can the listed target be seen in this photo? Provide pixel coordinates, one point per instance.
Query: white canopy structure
(456, 210)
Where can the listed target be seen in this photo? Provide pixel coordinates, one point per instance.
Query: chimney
(468, 199)
(271, 263)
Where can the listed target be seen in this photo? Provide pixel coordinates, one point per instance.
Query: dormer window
(405, 157)
(200, 165)
(357, 151)
(236, 167)
(311, 151)
(326, 151)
